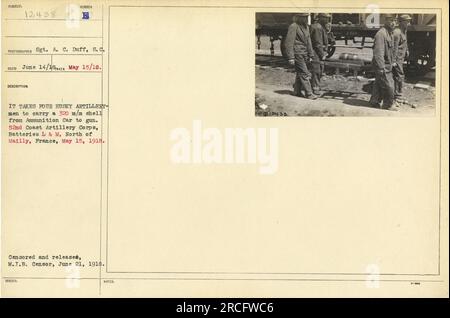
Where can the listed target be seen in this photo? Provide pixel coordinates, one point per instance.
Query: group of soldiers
(306, 49)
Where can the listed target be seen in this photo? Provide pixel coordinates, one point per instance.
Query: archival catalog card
(224, 148)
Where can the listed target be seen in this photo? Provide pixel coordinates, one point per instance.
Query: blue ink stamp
(85, 15)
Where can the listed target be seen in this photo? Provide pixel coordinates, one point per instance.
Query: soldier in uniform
(330, 34)
(383, 49)
(300, 53)
(400, 54)
(319, 41)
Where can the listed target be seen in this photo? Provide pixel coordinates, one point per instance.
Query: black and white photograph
(345, 64)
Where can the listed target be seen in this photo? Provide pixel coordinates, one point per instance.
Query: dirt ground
(342, 95)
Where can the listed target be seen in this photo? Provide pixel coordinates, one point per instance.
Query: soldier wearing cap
(299, 53)
(319, 41)
(383, 49)
(400, 54)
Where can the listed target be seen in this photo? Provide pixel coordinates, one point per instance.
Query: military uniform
(298, 47)
(319, 41)
(400, 53)
(383, 87)
(331, 38)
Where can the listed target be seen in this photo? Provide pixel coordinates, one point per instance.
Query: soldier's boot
(297, 88)
(308, 90)
(390, 105)
(388, 92)
(312, 96)
(398, 96)
(375, 98)
(398, 89)
(401, 100)
(315, 83)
